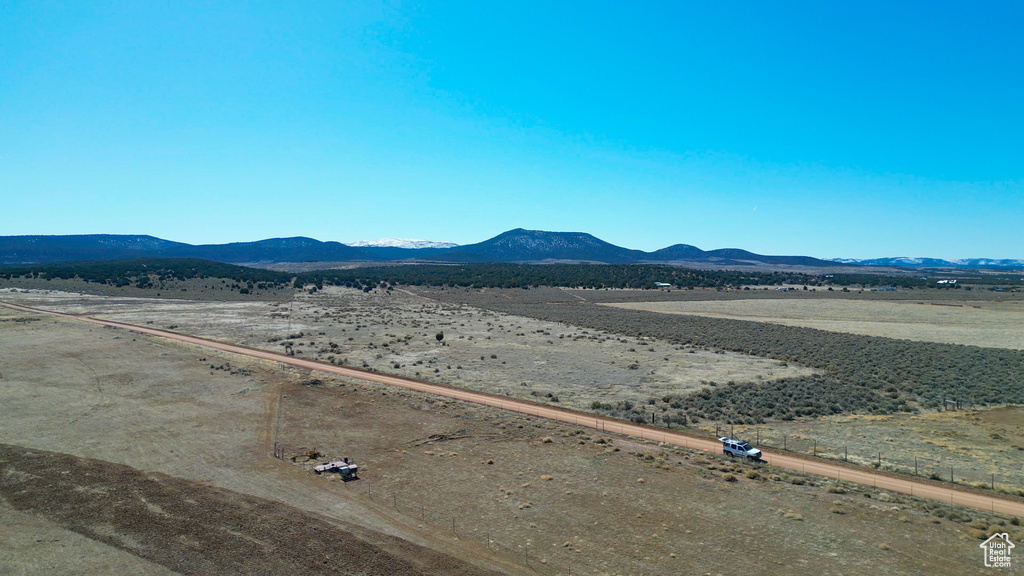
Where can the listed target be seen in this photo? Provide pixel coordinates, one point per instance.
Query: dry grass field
(979, 447)
(987, 323)
(395, 332)
(167, 425)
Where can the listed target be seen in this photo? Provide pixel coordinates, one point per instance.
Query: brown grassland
(988, 323)
(445, 487)
(395, 332)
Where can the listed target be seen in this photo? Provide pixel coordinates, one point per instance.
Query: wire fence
(901, 461)
(966, 471)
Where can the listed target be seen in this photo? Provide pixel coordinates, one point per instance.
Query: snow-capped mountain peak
(934, 262)
(401, 243)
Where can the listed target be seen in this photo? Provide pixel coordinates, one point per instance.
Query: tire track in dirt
(192, 528)
(781, 460)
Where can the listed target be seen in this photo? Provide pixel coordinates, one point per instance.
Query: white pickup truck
(739, 448)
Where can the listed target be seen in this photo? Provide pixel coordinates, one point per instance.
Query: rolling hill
(515, 246)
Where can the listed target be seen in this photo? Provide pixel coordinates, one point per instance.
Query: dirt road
(788, 461)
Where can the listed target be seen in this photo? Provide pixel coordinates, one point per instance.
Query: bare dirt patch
(395, 332)
(984, 323)
(160, 407)
(572, 497)
(191, 527)
(516, 487)
(31, 544)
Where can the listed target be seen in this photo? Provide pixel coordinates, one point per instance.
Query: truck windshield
(744, 446)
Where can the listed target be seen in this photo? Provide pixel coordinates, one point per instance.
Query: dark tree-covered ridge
(144, 271)
(583, 276)
(640, 276)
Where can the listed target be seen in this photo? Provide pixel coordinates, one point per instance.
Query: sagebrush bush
(862, 374)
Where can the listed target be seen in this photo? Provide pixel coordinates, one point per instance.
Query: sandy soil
(194, 528)
(568, 497)
(395, 332)
(984, 323)
(31, 544)
(81, 390)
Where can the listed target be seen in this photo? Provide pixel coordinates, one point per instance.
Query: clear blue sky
(820, 128)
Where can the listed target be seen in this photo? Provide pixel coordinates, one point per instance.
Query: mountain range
(519, 245)
(904, 262)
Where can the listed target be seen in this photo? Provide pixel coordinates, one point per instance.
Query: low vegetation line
(150, 272)
(859, 374)
(604, 424)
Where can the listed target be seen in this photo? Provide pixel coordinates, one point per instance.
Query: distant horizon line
(368, 244)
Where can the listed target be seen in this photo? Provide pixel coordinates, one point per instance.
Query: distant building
(662, 285)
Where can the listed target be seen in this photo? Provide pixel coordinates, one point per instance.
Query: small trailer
(347, 470)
